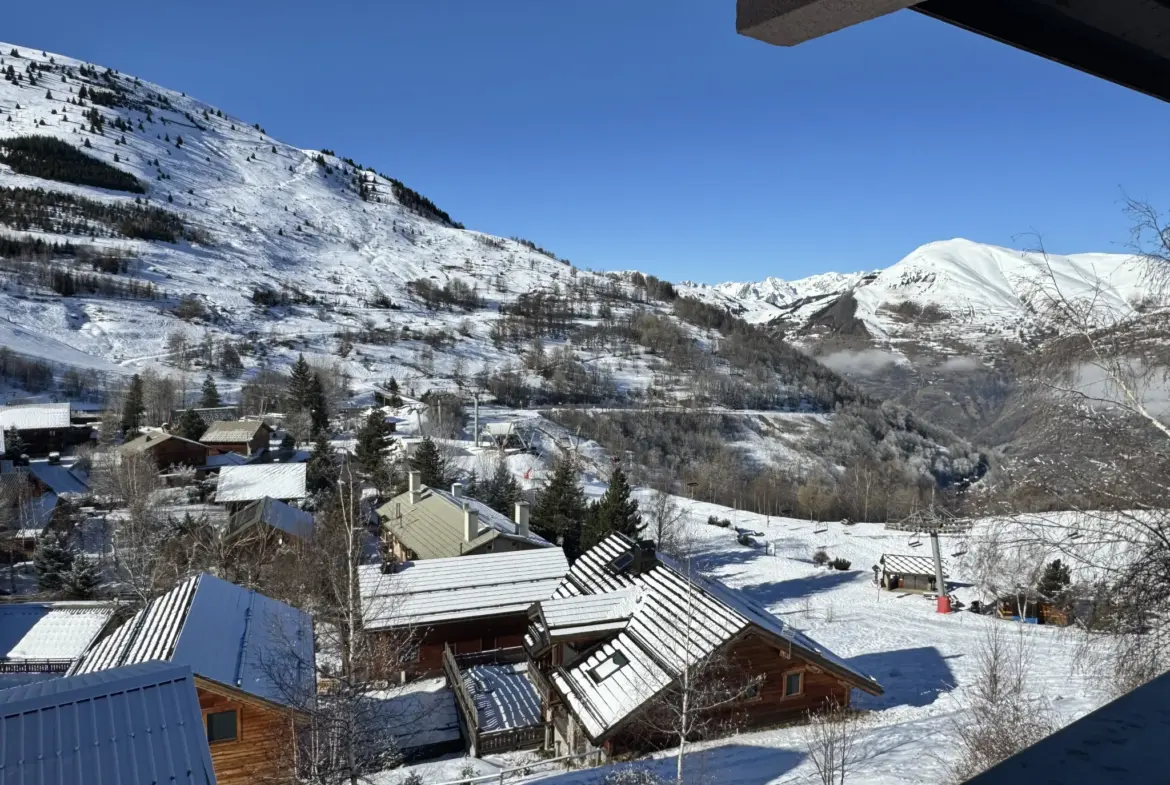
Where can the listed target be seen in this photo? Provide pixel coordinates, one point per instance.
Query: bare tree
(665, 523)
(831, 737)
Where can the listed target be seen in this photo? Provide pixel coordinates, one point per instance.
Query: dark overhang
(1124, 41)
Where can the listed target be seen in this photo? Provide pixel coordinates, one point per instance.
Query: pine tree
(1054, 583)
(430, 463)
(560, 511)
(317, 404)
(191, 425)
(500, 491)
(392, 388)
(52, 559)
(321, 472)
(614, 512)
(14, 446)
(300, 384)
(83, 579)
(210, 398)
(229, 361)
(371, 443)
(133, 408)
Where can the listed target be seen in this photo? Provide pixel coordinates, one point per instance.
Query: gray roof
(231, 431)
(225, 633)
(433, 591)
(1123, 741)
(276, 514)
(433, 528)
(51, 630)
(136, 725)
(253, 482)
(906, 564)
(657, 643)
(58, 478)
(34, 416)
(149, 441)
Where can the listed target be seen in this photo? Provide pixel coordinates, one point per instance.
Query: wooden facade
(263, 750)
(256, 444)
(175, 451)
(463, 637)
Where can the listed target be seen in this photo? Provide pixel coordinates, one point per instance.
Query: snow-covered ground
(926, 662)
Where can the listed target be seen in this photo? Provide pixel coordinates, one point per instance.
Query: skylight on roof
(608, 667)
(622, 563)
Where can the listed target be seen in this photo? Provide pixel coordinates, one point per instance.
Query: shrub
(633, 776)
(190, 307)
(715, 520)
(840, 564)
(820, 558)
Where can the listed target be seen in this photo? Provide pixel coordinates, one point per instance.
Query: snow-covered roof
(227, 634)
(434, 591)
(51, 630)
(657, 642)
(278, 515)
(152, 439)
(433, 528)
(906, 564)
(231, 431)
(589, 613)
(34, 416)
(58, 478)
(102, 728)
(225, 459)
(255, 481)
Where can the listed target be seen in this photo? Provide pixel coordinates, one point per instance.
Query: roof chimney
(522, 519)
(415, 479)
(457, 489)
(470, 523)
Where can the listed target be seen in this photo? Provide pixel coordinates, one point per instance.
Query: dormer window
(608, 667)
(621, 564)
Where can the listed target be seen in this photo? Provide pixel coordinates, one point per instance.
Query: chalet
(429, 523)
(27, 506)
(468, 603)
(253, 664)
(54, 476)
(42, 427)
(907, 573)
(271, 518)
(167, 450)
(134, 724)
(239, 486)
(1029, 605)
(42, 640)
(626, 622)
(246, 437)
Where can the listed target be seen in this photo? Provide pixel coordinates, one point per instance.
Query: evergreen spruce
(430, 463)
(392, 388)
(614, 512)
(229, 361)
(1053, 584)
(191, 425)
(14, 446)
(133, 408)
(560, 511)
(317, 404)
(500, 491)
(300, 384)
(83, 579)
(210, 398)
(52, 559)
(321, 471)
(371, 443)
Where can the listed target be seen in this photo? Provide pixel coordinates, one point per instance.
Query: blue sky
(647, 134)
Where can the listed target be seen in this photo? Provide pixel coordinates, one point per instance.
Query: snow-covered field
(926, 662)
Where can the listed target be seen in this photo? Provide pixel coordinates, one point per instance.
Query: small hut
(899, 572)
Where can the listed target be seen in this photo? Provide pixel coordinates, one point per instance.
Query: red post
(944, 603)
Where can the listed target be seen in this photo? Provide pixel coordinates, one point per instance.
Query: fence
(34, 666)
(482, 742)
(503, 775)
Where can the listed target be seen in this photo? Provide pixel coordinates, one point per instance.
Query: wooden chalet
(908, 573)
(624, 625)
(431, 523)
(253, 664)
(1032, 607)
(133, 724)
(271, 518)
(246, 437)
(46, 639)
(168, 449)
(468, 604)
(42, 427)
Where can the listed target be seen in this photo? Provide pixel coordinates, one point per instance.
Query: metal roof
(34, 416)
(658, 641)
(255, 481)
(906, 564)
(148, 441)
(433, 528)
(433, 591)
(137, 725)
(51, 630)
(276, 514)
(232, 431)
(58, 478)
(590, 613)
(227, 634)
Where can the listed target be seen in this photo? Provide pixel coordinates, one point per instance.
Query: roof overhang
(1123, 41)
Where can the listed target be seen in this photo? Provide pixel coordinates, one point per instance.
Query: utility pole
(944, 601)
(475, 406)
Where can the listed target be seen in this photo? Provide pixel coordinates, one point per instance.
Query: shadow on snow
(796, 588)
(732, 764)
(910, 677)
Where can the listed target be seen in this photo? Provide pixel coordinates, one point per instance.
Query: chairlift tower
(932, 522)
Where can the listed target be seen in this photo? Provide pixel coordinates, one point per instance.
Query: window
(487, 643)
(608, 667)
(621, 563)
(222, 726)
(793, 683)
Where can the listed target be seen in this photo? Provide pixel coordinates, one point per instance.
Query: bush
(633, 776)
(840, 564)
(190, 307)
(820, 558)
(715, 520)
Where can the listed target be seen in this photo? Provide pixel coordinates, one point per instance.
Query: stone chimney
(522, 519)
(470, 523)
(415, 487)
(457, 490)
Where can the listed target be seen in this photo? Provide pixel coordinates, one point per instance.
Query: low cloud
(862, 363)
(960, 365)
